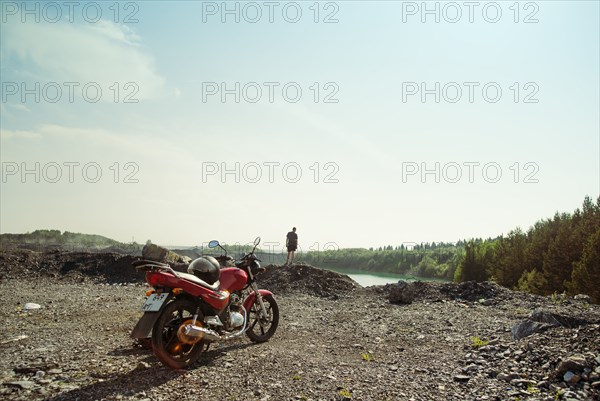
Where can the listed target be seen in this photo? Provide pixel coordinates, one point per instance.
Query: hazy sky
(362, 123)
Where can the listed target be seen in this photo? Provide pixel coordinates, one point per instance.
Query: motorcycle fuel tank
(233, 279)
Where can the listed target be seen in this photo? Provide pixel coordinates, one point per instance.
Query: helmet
(205, 268)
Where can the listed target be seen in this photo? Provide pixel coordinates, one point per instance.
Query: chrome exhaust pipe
(197, 331)
(211, 335)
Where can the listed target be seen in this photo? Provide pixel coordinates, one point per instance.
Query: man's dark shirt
(292, 238)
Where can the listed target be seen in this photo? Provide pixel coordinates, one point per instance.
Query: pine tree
(472, 266)
(559, 258)
(508, 265)
(586, 272)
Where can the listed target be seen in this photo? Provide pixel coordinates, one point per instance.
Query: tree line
(426, 260)
(557, 255)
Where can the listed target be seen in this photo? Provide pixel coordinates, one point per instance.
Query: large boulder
(161, 254)
(574, 363)
(539, 321)
(556, 319)
(402, 293)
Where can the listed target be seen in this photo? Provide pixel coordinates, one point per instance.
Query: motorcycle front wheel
(170, 345)
(260, 327)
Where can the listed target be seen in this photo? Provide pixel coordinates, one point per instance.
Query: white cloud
(21, 107)
(119, 33)
(98, 140)
(10, 111)
(6, 134)
(103, 53)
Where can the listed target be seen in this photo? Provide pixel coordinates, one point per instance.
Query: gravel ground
(346, 345)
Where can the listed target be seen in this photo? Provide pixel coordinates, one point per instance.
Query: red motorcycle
(185, 312)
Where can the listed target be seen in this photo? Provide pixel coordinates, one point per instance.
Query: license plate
(154, 302)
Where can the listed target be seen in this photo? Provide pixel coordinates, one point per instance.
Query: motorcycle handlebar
(251, 256)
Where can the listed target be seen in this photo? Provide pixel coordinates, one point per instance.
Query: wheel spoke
(171, 344)
(266, 314)
(172, 350)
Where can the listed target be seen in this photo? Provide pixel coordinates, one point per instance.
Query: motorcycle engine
(234, 318)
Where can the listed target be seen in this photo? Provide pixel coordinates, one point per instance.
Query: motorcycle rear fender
(252, 297)
(164, 279)
(143, 328)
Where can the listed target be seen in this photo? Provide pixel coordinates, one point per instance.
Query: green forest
(433, 260)
(557, 255)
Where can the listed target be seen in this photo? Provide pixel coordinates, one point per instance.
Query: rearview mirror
(256, 241)
(213, 244)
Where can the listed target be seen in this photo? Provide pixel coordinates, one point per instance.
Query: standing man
(291, 242)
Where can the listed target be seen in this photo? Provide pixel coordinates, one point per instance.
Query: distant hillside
(43, 240)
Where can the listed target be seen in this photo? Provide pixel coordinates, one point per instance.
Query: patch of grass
(521, 311)
(367, 357)
(559, 298)
(478, 342)
(345, 393)
(531, 389)
(296, 377)
(558, 394)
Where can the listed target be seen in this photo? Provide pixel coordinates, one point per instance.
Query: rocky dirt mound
(306, 279)
(106, 267)
(487, 293)
(473, 291)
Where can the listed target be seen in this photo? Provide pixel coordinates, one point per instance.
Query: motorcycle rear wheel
(166, 344)
(258, 332)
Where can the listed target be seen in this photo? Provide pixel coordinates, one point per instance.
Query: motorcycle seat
(196, 280)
